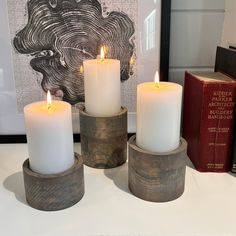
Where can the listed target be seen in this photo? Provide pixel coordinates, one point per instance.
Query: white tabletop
(207, 207)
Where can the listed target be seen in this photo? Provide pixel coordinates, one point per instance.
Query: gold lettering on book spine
(221, 106)
(215, 165)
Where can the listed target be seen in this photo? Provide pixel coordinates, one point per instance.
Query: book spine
(216, 131)
(208, 119)
(233, 163)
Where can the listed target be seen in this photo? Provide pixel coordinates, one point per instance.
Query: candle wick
(49, 107)
(157, 85)
(102, 59)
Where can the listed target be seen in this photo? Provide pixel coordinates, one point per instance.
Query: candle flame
(102, 54)
(157, 79)
(49, 100)
(81, 69)
(105, 48)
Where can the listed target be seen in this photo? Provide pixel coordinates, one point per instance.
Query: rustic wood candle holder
(103, 139)
(51, 192)
(157, 177)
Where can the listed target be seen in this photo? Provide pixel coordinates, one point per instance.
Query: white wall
(229, 32)
(196, 31)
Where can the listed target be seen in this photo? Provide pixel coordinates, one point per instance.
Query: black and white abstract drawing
(60, 34)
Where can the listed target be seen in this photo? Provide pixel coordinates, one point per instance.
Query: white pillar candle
(102, 87)
(49, 136)
(158, 116)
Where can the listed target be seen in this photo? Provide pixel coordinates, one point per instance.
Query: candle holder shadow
(103, 139)
(157, 177)
(51, 192)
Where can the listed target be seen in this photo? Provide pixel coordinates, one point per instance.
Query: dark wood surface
(103, 139)
(157, 177)
(54, 191)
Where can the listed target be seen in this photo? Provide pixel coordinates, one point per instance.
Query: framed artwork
(43, 44)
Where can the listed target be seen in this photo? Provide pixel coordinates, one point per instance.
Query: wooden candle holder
(51, 192)
(103, 139)
(157, 177)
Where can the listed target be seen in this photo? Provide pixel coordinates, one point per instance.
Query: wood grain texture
(103, 139)
(157, 177)
(54, 191)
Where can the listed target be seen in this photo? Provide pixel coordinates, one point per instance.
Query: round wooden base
(103, 139)
(157, 177)
(51, 192)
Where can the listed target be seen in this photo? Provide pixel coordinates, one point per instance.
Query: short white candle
(102, 86)
(49, 136)
(158, 115)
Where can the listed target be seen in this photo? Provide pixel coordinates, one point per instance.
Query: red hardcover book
(209, 101)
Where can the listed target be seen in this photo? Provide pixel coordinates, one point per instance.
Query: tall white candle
(49, 136)
(158, 116)
(102, 86)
